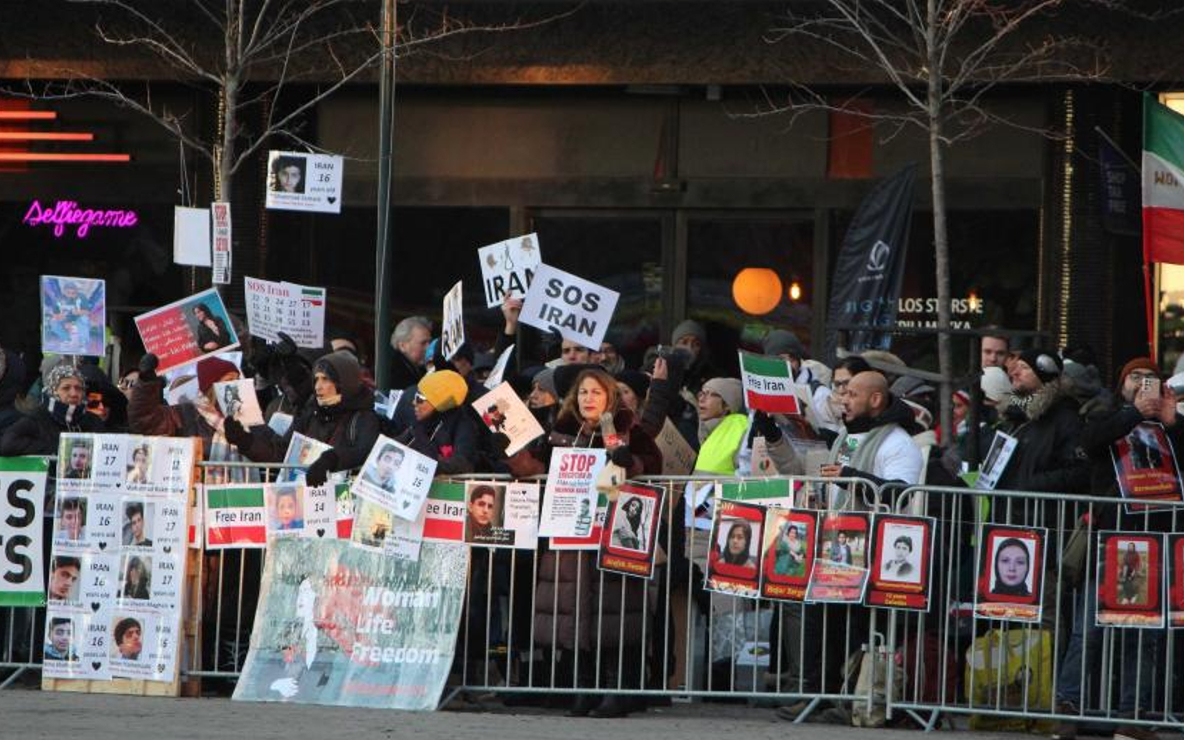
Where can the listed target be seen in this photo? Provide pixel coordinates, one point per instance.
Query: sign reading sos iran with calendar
(295, 310)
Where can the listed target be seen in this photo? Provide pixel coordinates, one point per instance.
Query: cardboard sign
(396, 478)
(502, 412)
(736, 538)
(998, 455)
(1010, 572)
(840, 565)
(508, 267)
(768, 384)
(191, 236)
(787, 557)
(222, 245)
(73, 316)
(343, 626)
(295, 310)
(629, 539)
(1145, 467)
(187, 330)
(22, 497)
(237, 400)
(299, 181)
(678, 457)
(580, 310)
(902, 561)
(452, 333)
(502, 514)
(1130, 580)
(570, 498)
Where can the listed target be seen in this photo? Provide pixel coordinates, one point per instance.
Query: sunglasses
(420, 398)
(95, 403)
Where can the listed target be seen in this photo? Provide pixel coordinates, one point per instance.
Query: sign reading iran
(236, 517)
(1163, 183)
(579, 310)
(507, 268)
(768, 384)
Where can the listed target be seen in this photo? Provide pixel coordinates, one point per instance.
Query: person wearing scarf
(63, 409)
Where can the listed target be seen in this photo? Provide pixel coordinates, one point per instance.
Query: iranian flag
(444, 513)
(236, 517)
(768, 384)
(1163, 183)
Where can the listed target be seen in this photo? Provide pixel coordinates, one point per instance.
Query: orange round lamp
(756, 290)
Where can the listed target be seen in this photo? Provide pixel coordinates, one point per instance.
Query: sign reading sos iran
(578, 309)
(22, 498)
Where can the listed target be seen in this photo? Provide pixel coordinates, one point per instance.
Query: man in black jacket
(1132, 406)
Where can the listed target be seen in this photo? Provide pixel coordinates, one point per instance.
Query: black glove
(148, 365)
(286, 347)
(621, 456)
(766, 427)
(319, 471)
(236, 433)
(498, 444)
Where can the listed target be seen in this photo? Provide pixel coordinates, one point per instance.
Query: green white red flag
(1163, 183)
(768, 384)
(236, 517)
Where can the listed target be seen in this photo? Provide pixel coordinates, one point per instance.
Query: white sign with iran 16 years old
(578, 309)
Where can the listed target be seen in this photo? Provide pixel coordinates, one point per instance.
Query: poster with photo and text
(629, 539)
(1130, 580)
(735, 548)
(840, 561)
(1010, 572)
(901, 563)
(788, 553)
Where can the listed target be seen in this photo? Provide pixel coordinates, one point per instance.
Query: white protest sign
(678, 457)
(452, 334)
(998, 455)
(191, 236)
(299, 181)
(580, 310)
(222, 254)
(395, 477)
(507, 268)
(569, 500)
(502, 412)
(22, 495)
(499, 368)
(295, 310)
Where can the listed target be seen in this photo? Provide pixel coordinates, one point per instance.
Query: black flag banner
(870, 267)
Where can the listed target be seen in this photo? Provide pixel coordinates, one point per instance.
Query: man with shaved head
(875, 444)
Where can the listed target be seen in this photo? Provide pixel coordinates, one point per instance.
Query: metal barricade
(1069, 669)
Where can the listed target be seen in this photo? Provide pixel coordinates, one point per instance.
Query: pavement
(29, 715)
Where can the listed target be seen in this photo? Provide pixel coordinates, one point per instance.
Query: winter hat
(546, 380)
(883, 357)
(995, 384)
(1139, 363)
(782, 342)
(211, 370)
(637, 381)
(729, 389)
(921, 415)
(909, 387)
(1046, 365)
(444, 389)
(962, 395)
(60, 372)
(689, 327)
(343, 369)
(819, 371)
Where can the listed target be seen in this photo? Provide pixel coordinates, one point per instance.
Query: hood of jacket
(898, 412)
(1030, 407)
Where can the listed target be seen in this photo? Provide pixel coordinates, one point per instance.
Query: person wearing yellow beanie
(440, 391)
(443, 428)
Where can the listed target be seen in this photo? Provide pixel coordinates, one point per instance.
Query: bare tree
(254, 60)
(941, 58)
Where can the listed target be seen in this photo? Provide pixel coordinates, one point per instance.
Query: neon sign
(66, 214)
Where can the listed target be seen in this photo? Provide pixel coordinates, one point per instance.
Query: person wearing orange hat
(443, 428)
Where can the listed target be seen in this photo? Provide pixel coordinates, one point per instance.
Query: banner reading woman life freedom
(187, 330)
(344, 626)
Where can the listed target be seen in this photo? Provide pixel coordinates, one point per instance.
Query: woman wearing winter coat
(63, 409)
(442, 428)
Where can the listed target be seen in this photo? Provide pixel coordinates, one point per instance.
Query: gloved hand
(498, 444)
(319, 471)
(286, 346)
(766, 427)
(148, 365)
(236, 433)
(621, 456)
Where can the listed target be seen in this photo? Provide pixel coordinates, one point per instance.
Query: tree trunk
(225, 156)
(941, 247)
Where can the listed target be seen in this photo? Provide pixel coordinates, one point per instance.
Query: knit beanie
(211, 370)
(689, 327)
(995, 384)
(546, 380)
(343, 369)
(1139, 363)
(58, 373)
(729, 389)
(783, 342)
(1046, 365)
(444, 389)
(637, 381)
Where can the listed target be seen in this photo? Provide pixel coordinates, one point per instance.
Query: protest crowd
(1045, 421)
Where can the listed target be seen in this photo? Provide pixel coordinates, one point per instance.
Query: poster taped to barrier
(235, 517)
(1010, 572)
(395, 477)
(590, 541)
(1175, 560)
(342, 626)
(771, 492)
(1145, 467)
(629, 540)
(840, 567)
(22, 498)
(902, 562)
(73, 316)
(788, 553)
(735, 546)
(502, 514)
(1130, 580)
(187, 330)
(569, 498)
